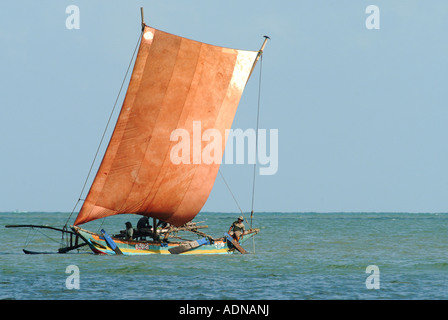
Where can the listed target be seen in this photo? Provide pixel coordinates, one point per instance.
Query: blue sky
(361, 113)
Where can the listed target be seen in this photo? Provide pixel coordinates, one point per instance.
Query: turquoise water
(296, 256)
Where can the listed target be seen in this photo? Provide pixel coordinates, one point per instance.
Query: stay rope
(105, 129)
(256, 153)
(228, 188)
(256, 138)
(256, 150)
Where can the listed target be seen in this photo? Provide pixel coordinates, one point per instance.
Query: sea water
(295, 256)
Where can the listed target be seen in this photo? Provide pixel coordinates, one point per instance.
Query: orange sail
(175, 82)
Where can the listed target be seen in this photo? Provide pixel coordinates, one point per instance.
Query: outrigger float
(148, 169)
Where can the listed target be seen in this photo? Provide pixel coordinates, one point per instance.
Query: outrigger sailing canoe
(175, 83)
(105, 244)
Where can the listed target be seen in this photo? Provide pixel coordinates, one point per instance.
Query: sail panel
(175, 83)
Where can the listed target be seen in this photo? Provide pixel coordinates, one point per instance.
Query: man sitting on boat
(129, 234)
(144, 228)
(237, 229)
(143, 224)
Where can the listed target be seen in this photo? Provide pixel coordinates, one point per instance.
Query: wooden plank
(184, 247)
(111, 242)
(188, 246)
(235, 244)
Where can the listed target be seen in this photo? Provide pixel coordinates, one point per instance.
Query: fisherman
(237, 229)
(129, 231)
(143, 223)
(143, 227)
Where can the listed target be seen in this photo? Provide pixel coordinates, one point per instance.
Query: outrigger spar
(73, 239)
(176, 85)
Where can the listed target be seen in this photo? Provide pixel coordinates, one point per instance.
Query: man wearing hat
(237, 229)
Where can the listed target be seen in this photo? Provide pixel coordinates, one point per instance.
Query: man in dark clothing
(143, 223)
(143, 227)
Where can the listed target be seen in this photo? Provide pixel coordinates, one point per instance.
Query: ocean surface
(296, 256)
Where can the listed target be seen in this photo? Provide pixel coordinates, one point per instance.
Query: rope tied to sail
(105, 129)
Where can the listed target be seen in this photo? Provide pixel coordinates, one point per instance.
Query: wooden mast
(143, 18)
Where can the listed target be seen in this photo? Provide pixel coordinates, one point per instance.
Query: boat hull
(98, 245)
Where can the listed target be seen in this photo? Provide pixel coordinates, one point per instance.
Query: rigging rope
(256, 138)
(105, 129)
(27, 241)
(256, 150)
(256, 154)
(30, 238)
(230, 192)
